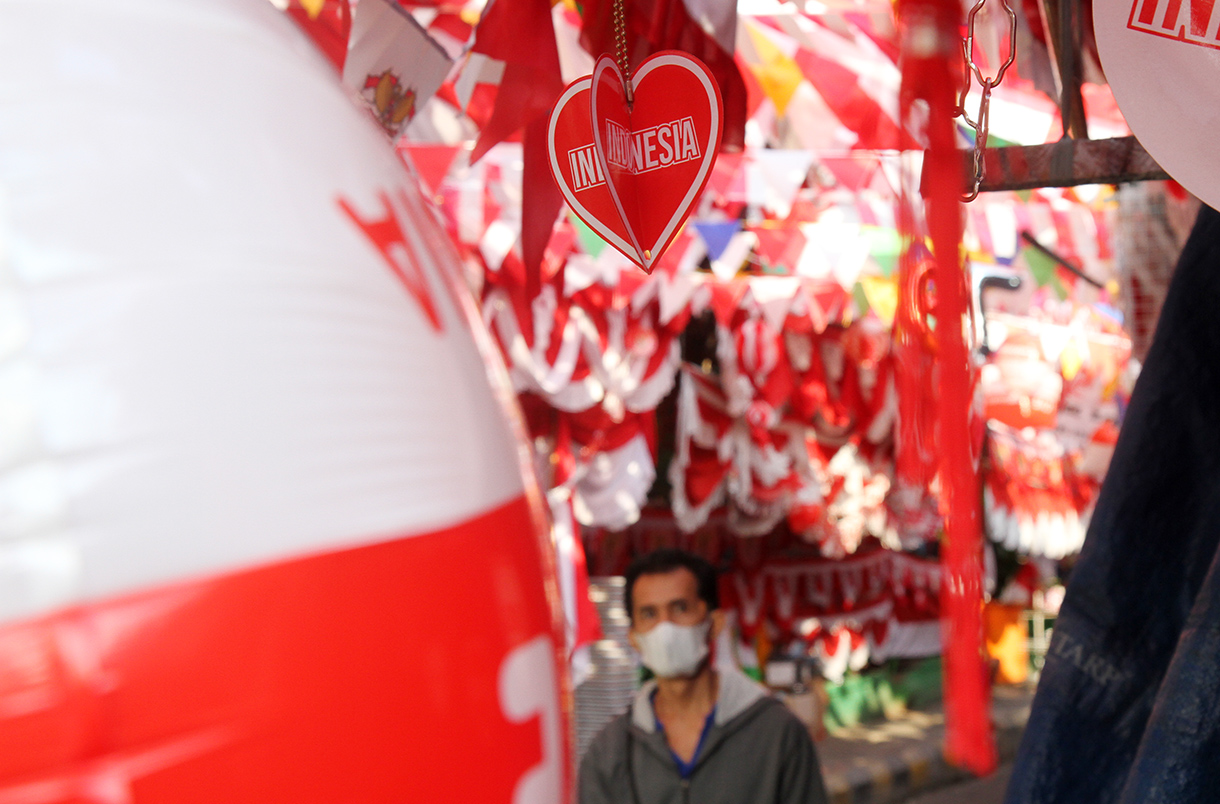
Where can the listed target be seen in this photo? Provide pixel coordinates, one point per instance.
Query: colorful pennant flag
(716, 236)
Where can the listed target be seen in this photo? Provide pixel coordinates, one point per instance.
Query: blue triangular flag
(716, 236)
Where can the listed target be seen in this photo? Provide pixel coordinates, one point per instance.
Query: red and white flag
(513, 68)
(392, 63)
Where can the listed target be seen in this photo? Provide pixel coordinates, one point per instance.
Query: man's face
(672, 596)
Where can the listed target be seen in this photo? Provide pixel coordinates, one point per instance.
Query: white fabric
(208, 364)
(612, 487)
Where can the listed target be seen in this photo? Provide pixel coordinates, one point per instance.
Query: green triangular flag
(1045, 271)
(590, 241)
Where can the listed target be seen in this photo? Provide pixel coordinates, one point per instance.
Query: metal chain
(969, 67)
(620, 43)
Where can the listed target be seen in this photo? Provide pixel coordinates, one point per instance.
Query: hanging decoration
(656, 137)
(873, 605)
(932, 42)
(579, 171)
(392, 65)
(646, 145)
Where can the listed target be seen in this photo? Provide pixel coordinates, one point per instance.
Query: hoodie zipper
(686, 791)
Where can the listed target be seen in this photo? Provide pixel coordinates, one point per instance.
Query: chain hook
(969, 67)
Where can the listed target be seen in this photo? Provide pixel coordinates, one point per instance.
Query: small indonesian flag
(392, 64)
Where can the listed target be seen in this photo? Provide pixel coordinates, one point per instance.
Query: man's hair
(668, 559)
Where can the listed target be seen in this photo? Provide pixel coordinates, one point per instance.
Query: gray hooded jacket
(756, 752)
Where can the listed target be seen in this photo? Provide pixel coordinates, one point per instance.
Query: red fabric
(431, 161)
(296, 680)
(933, 76)
(452, 24)
(841, 90)
(726, 297)
(541, 202)
(705, 474)
(596, 431)
(519, 33)
(329, 30)
(784, 592)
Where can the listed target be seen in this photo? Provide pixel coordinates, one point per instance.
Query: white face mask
(672, 651)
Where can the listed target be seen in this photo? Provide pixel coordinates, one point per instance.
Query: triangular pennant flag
(726, 298)
(514, 48)
(774, 294)
(824, 298)
(861, 299)
(776, 71)
(431, 162)
(716, 236)
(1044, 270)
(734, 256)
(683, 255)
(882, 295)
(590, 241)
(673, 295)
(327, 22)
(779, 248)
(773, 176)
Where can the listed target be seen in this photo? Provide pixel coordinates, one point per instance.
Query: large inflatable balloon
(265, 534)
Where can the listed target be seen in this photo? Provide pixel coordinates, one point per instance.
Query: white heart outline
(662, 59)
(569, 195)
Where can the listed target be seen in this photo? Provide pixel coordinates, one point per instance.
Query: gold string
(620, 42)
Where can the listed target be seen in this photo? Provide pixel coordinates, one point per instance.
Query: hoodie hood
(737, 693)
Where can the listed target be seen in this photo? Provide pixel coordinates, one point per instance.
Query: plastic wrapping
(264, 529)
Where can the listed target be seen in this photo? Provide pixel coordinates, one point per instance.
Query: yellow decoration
(882, 295)
(1070, 361)
(313, 7)
(1006, 642)
(778, 75)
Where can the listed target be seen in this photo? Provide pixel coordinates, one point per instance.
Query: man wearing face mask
(694, 735)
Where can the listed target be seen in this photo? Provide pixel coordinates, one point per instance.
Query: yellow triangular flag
(778, 74)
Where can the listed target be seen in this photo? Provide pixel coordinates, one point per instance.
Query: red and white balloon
(264, 530)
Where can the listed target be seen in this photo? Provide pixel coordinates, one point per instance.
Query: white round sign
(1162, 59)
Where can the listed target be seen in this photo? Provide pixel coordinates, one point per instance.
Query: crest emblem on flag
(392, 105)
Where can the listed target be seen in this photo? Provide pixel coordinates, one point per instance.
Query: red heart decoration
(579, 172)
(657, 152)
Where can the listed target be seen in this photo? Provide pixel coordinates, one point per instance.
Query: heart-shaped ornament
(656, 152)
(579, 172)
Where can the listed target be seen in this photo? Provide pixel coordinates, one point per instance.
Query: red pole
(931, 64)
